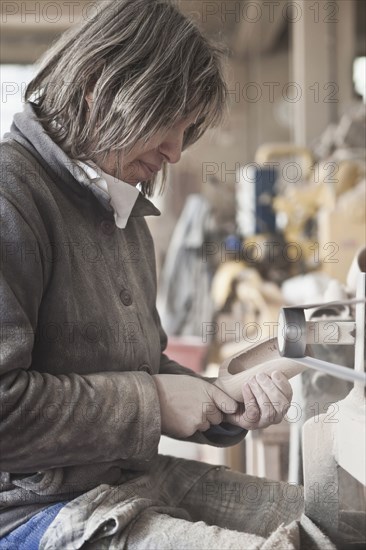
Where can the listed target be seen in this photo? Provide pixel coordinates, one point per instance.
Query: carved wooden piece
(341, 443)
(321, 486)
(267, 356)
(260, 358)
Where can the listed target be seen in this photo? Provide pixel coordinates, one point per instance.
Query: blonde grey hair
(148, 66)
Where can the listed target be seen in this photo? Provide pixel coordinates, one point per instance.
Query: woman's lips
(150, 168)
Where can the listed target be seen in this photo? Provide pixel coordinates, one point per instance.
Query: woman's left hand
(266, 401)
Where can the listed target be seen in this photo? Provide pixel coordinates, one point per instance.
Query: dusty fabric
(155, 531)
(223, 509)
(80, 332)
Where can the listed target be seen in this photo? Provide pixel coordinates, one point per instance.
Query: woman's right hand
(189, 403)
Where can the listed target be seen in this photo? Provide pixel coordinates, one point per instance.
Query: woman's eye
(189, 128)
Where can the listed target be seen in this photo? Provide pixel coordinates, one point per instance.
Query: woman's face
(146, 157)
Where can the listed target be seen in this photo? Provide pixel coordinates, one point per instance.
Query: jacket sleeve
(50, 420)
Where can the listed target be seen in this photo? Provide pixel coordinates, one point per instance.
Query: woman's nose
(172, 148)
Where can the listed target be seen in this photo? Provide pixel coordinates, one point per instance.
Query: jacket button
(125, 297)
(108, 227)
(145, 367)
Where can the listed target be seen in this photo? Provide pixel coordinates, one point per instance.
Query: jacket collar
(28, 131)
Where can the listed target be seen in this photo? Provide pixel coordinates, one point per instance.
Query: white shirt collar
(122, 195)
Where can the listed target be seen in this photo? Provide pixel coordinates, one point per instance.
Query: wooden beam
(261, 24)
(29, 28)
(324, 44)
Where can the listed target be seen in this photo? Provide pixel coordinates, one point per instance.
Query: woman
(87, 389)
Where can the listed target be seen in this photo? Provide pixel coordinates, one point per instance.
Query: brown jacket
(80, 333)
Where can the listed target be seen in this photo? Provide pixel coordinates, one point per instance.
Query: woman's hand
(189, 403)
(266, 401)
